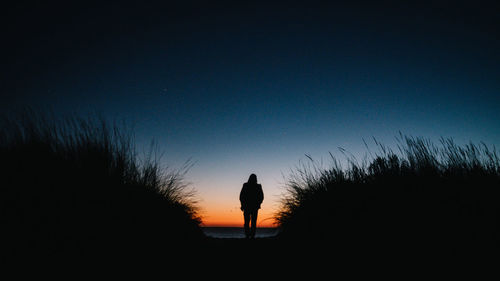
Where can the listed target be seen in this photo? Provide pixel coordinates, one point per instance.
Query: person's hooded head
(252, 179)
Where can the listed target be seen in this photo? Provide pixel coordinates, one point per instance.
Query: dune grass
(78, 186)
(418, 197)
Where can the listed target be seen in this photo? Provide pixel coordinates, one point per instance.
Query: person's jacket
(251, 196)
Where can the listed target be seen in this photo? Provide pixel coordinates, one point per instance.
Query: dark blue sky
(243, 88)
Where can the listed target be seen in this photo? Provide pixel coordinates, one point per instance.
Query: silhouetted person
(251, 196)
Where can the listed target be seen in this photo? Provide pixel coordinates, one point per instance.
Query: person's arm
(261, 194)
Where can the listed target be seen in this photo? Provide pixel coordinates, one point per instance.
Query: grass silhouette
(423, 198)
(76, 186)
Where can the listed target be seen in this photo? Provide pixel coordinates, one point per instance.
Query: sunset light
(179, 130)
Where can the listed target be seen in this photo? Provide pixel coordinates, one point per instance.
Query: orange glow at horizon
(232, 217)
(219, 197)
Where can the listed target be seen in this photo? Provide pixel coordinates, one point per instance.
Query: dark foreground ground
(264, 258)
(316, 258)
(242, 248)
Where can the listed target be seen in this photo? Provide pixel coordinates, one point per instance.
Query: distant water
(237, 232)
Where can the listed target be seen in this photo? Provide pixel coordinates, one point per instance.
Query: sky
(253, 87)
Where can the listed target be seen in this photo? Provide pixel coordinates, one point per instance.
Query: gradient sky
(253, 88)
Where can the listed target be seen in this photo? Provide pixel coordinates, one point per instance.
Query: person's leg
(254, 223)
(246, 216)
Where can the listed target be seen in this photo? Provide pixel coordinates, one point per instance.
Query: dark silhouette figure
(251, 196)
